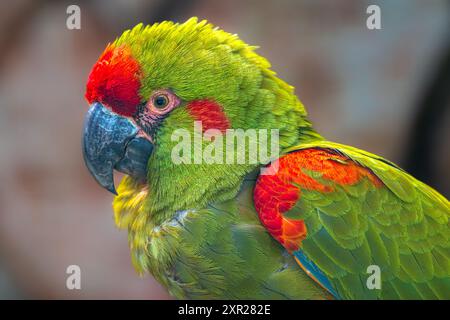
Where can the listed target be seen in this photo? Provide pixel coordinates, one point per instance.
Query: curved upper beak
(110, 142)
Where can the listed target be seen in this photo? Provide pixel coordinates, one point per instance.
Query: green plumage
(222, 251)
(395, 227)
(195, 228)
(218, 252)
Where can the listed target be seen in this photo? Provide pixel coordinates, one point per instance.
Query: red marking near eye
(276, 194)
(114, 81)
(210, 114)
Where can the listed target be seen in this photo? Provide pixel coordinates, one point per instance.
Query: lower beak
(110, 142)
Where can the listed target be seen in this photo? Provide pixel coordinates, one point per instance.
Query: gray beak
(110, 142)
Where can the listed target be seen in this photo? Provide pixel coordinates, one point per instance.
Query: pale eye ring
(162, 101)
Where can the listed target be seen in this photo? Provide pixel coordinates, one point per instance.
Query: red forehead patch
(114, 81)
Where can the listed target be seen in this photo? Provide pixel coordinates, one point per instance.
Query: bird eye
(161, 101)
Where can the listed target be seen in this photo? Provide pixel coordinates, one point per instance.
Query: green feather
(194, 227)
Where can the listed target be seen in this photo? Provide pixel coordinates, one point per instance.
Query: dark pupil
(160, 101)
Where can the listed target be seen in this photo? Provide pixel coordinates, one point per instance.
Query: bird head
(154, 81)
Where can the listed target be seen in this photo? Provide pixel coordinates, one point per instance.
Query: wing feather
(360, 210)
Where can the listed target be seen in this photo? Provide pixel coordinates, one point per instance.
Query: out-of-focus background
(386, 91)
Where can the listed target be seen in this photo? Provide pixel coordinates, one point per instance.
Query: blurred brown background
(385, 91)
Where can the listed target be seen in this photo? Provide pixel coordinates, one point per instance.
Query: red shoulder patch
(115, 81)
(275, 194)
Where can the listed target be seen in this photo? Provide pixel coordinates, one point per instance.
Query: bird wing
(347, 215)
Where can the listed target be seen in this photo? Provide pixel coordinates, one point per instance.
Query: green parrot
(314, 220)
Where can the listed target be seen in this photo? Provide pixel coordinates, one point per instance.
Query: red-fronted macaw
(320, 222)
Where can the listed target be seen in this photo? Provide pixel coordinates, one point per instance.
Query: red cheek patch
(114, 81)
(210, 114)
